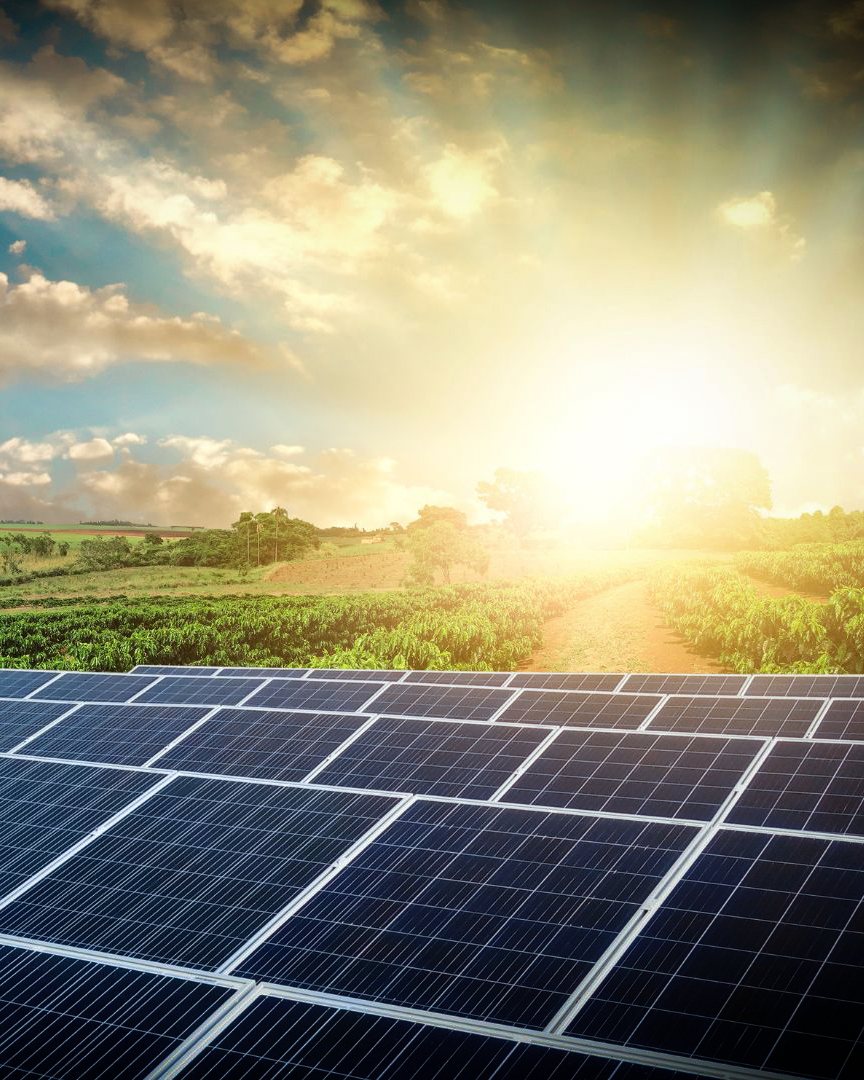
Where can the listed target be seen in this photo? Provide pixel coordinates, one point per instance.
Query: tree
(279, 515)
(153, 540)
(431, 515)
(440, 546)
(521, 496)
(705, 496)
(11, 556)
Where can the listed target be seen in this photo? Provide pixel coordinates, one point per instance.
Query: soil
(619, 629)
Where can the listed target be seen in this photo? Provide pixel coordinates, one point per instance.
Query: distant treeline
(115, 522)
(20, 521)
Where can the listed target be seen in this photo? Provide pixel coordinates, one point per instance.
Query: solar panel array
(238, 872)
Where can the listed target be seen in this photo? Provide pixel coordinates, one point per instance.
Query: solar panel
(117, 734)
(766, 717)
(754, 960)
(634, 773)
(46, 807)
(580, 708)
(433, 757)
(86, 686)
(807, 785)
(807, 685)
(172, 669)
(18, 684)
(685, 684)
(844, 719)
(21, 719)
(266, 745)
(263, 672)
(562, 680)
(64, 1018)
(481, 911)
(460, 678)
(191, 874)
(319, 695)
(185, 691)
(443, 702)
(278, 1037)
(381, 674)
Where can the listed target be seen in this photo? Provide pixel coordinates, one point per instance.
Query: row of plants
(723, 616)
(475, 627)
(810, 567)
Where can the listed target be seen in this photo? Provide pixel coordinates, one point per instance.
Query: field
(629, 609)
(74, 534)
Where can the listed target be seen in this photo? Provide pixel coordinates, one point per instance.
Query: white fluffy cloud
(94, 449)
(182, 38)
(17, 247)
(209, 481)
(756, 211)
(66, 329)
(20, 197)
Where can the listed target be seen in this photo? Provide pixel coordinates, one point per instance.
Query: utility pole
(258, 537)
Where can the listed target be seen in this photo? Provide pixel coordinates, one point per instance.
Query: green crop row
(724, 617)
(810, 567)
(481, 627)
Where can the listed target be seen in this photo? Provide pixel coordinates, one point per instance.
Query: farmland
(346, 604)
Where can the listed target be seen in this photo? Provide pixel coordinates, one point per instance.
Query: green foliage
(434, 515)
(810, 567)
(488, 626)
(836, 527)
(722, 616)
(439, 547)
(521, 496)
(705, 497)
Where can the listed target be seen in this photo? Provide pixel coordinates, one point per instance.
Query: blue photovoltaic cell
(195, 871)
(843, 720)
(168, 669)
(807, 685)
(263, 672)
(115, 734)
(267, 745)
(46, 807)
(494, 913)
(320, 695)
(754, 959)
(63, 1018)
(562, 680)
(580, 708)
(381, 674)
(443, 702)
(197, 691)
(433, 757)
(18, 684)
(764, 717)
(86, 686)
(275, 1037)
(632, 772)
(685, 684)
(807, 785)
(21, 719)
(460, 678)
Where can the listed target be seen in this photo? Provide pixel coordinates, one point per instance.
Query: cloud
(847, 21)
(754, 212)
(26, 452)
(25, 479)
(129, 439)
(17, 247)
(20, 197)
(93, 449)
(760, 212)
(69, 330)
(8, 30)
(185, 38)
(460, 182)
(211, 480)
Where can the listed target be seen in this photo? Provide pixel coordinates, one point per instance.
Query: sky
(349, 256)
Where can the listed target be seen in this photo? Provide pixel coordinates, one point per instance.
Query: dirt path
(619, 629)
(768, 588)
